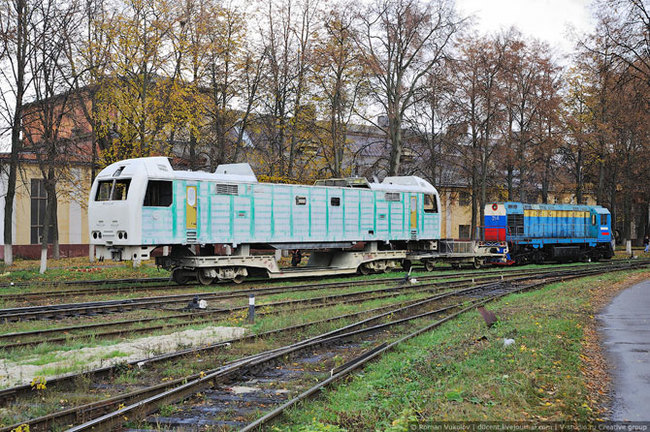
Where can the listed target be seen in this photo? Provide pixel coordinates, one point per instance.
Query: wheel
(455, 266)
(239, 279)
(202, 278)
(428, 266)
(180, 277)
(364, 270)
(406, 265)
(477, 263)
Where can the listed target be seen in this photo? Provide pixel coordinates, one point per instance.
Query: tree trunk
(56, 250)
(395, 132)
(509, 179)
(474, 205)
(16, 126)
(46, 230)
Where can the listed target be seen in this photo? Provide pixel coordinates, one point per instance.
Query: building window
(463, 232)
(464, 199)
(38, 203)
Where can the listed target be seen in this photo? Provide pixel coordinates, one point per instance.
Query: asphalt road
(626, 334)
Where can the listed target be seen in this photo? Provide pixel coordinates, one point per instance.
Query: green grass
(75, 269)
(463, 372)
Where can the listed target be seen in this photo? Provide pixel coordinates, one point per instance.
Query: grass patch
(66, 269)
(463, 372)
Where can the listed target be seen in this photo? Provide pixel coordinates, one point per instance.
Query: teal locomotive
(138, 205)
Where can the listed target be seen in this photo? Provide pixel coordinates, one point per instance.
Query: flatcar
(138, 205)
(550, 232)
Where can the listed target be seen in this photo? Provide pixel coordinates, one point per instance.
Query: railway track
(46, 422)
(151, 398)
(58, 311)
(120, 328)
(130, 286)
(100, 330)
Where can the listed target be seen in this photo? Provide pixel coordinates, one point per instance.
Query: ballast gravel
(23, 371)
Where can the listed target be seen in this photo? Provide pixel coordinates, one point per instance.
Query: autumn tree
(615, 92)
(530, 98)
(547, 127)
(626, 27)
(576, 116)
(138, 103)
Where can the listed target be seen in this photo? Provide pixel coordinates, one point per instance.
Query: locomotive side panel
(351, 211)
(397, 218)
(262, 207)
(367, 213)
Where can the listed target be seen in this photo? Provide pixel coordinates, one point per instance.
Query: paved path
(626, 331)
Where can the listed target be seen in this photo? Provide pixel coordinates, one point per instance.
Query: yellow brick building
(73, 186)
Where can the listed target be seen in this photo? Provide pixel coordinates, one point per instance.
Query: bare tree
(627, 27)
(50, 69)
(15, 16)
(339, 86)
(479, 101)
(400, 42)
(287, 33)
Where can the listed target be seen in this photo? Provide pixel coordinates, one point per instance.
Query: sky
(548, 20)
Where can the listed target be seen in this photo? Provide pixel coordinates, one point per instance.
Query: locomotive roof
(576, 207)
(160, 168)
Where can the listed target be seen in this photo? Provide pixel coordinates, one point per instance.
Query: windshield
(112, 190)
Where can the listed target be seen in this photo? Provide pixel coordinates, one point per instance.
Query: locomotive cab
(600, 223)
(115, 210)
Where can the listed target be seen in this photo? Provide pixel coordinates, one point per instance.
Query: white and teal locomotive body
(137, 205)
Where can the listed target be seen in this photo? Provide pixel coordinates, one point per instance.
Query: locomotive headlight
(97, 234)
(122, 235)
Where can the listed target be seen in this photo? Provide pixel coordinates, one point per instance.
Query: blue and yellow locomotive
(550, 232)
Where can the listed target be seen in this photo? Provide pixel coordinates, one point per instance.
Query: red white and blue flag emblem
(604, 230)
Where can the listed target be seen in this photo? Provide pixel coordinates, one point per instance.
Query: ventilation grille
(391, 196)
(191, 236)
(227, 189)
(516, 224)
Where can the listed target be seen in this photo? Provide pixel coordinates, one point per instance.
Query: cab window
(159, 194)
(113, 190)
(603, 219)
(120, 190)
(104, 190)
(430, 204)
(593, 220)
